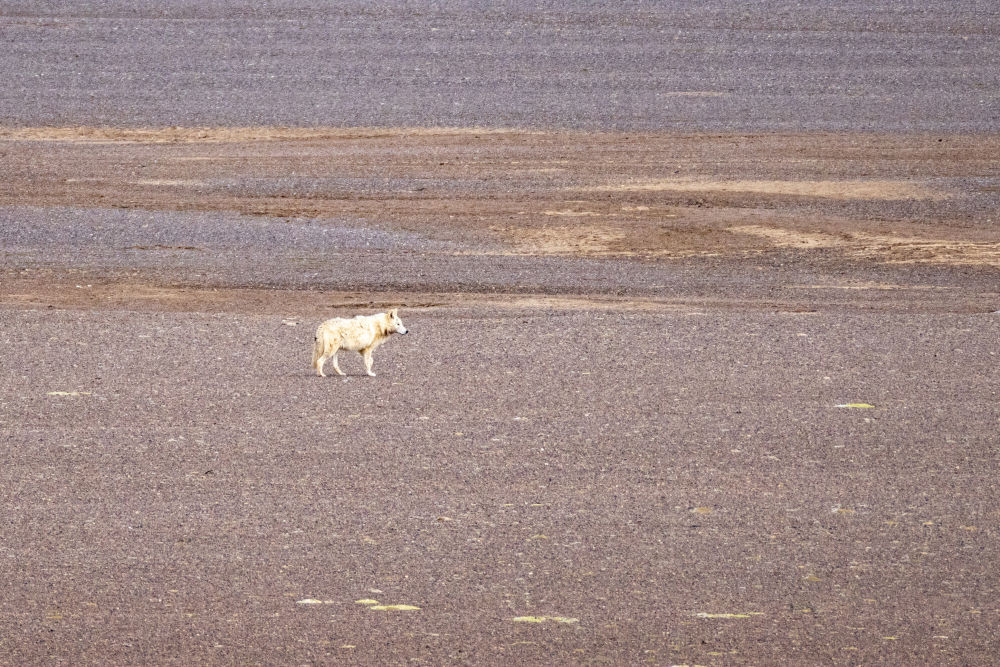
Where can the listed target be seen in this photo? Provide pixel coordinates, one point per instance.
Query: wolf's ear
(393, 312)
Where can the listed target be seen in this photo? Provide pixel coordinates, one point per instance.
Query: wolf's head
(395, 324)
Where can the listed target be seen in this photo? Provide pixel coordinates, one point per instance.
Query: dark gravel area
(632, 472)
(718, 65)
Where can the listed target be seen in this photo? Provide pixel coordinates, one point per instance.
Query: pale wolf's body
(362, 333)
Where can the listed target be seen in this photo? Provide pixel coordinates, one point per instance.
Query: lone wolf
(362, 333)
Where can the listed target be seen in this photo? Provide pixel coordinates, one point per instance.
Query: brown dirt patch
(873, 189)
(892, 249)
(654, 196)
(40, 292)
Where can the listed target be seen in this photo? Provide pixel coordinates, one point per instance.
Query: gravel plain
(702, 354)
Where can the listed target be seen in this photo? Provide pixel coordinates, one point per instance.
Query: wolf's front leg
(336, 366)
(367, 355)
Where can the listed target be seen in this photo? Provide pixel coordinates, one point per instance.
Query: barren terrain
(909, 207)
(655, 406)
(704, 312)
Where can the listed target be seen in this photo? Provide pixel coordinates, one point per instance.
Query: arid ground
(672, 394)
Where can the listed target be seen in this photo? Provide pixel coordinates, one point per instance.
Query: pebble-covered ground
(702, 355)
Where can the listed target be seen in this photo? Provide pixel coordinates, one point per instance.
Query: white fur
(362, 333)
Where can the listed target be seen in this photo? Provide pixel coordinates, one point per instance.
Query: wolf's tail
(318, 345)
